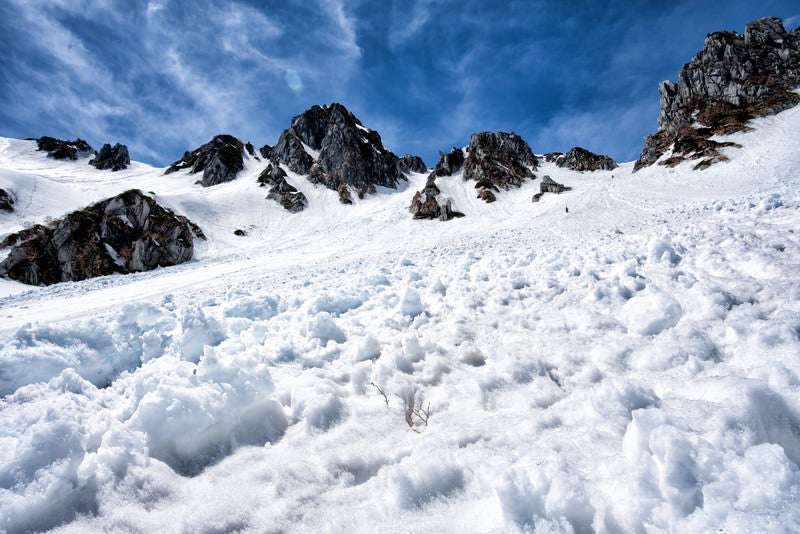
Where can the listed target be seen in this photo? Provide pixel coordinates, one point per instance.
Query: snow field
(633, 366)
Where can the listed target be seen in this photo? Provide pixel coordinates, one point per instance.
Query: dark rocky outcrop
(58, 149)
(552, 157)
(220, 160)
(429, 203)
(126, 233)
(548, 185)
(265, 151)
(410, 163)
(331, 146)
(292, 153)
(499, 159)
(449, 164)
(115, 158)
(580, 159)
(6, 200)
(281, 191)
(733, 79)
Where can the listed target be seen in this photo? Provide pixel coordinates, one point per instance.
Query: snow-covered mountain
(620, 357)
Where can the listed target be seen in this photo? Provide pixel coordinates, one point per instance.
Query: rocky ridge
(114, 158)
(733, 79)
(220, 160)
(579, 159)
(126, 233)
(60, 149)
(493, 160)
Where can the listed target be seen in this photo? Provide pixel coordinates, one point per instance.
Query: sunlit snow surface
(632, 365)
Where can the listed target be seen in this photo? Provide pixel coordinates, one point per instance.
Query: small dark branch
(385, 398)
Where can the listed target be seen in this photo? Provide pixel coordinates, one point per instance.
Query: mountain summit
(732, 80)
(333, 147)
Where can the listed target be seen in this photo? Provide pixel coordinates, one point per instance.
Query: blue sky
(165, 76)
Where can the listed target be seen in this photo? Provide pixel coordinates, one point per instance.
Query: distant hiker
(566, 209)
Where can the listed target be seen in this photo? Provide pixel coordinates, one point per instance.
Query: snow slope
(631, 366)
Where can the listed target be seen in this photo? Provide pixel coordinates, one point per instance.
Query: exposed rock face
(220, 159)
(429, 203)
(580, 159)
(498, 160)
(115, 158)
(732, 80)
(6, 200)
(58, 149)
(548, 185)
(410, 163)
(281, 191)
(449, 164)
(331, 146)
(126, 233)
(552, 157)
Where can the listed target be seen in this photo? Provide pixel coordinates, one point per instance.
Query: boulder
(115, 158)
(220, 160)
(429, 204)
(331, 146)
(127, 233)
(498, 160)
(280, 190)
(59, 149)
(6, 200)
(732, 80)
(580, 159)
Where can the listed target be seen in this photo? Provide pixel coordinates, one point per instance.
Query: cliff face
(733, 79)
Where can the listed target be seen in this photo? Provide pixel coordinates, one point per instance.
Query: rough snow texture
(633, 366)
(127, 233)
(220, 160)
(332, 146)
(114, 158)
(733, 79)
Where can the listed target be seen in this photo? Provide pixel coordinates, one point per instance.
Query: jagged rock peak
(330, 144)
(220, 159)
(580, 159)
(115, 158)
(282, 191)
(448, 164)
(410, 163)
(498, 160)
(126, 233)
(59, 149)
(732, 80)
